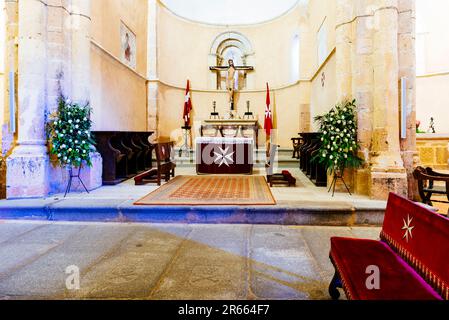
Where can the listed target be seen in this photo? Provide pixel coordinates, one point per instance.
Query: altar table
(224, 155)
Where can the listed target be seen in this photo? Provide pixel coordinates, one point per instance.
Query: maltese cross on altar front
(408, 228)
(224, 157)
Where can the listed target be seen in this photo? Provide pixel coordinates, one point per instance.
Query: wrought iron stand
(76, 176)
(186, 146)
(334, 184)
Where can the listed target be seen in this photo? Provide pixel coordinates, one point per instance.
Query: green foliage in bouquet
(339, 138)
(70, 134)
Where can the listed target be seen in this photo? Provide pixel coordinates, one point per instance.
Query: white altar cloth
(221, 140)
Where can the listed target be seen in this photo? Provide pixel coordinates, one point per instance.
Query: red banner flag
(187, 106)
(268, 114)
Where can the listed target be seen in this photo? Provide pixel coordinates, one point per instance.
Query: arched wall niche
(231, 45)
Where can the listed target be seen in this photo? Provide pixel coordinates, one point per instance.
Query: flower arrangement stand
(71, 177)
(334, 184)
(187, 130)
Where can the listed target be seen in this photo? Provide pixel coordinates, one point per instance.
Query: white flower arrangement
(70, 134)
(339, 147)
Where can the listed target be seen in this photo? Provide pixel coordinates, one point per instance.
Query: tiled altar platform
(303, 205)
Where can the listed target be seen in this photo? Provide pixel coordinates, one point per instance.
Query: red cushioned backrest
(427, 248)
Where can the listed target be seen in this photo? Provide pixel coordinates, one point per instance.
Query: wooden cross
(226, 68)
(219, 69)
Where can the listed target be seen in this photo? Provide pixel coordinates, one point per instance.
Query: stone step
(333, 213)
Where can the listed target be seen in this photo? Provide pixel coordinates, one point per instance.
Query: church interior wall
(432, 46)
(118, 93)
(432, 100)
(321, 15)
(323, 90)
(184, 48)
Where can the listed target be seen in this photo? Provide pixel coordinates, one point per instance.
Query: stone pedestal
(382, 183)
(28, 172)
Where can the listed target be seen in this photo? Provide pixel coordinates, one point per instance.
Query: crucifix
(232, 79)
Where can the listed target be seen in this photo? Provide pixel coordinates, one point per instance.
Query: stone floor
(150, 261)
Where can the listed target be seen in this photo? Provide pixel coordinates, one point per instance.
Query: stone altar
(238, 128)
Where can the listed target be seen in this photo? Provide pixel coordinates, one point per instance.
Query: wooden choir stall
(125, 154)
(316, 172)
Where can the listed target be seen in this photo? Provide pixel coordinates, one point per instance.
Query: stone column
(343, 34)
(152, 72)
(407, 69)
(344, 77)
(387, 168)
(27, 167)
(362, 90)
(80, 62)
(10, 67)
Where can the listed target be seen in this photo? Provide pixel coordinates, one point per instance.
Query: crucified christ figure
(232, 82)
(232, 78)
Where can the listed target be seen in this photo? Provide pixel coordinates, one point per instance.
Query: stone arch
(234, 38)
(231, 43)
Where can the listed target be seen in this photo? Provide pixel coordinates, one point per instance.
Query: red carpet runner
(212, 190)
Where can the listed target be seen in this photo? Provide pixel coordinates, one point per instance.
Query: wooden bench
(411, 257)
(141, 139)
(165, 165)
(296, 145)
(426, 178)
(114, 161)
(307, 150)
(124, 154)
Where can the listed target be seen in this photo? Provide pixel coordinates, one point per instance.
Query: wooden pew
(124, 154)
(114, 160)
(316, 172)
(140, 139)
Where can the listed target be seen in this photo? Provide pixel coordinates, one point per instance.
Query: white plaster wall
(230, 12)
(432, 86)
(432, 100)
(118, 93)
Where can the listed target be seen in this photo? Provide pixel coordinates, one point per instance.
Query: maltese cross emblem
(224, 157)
(408, 228)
